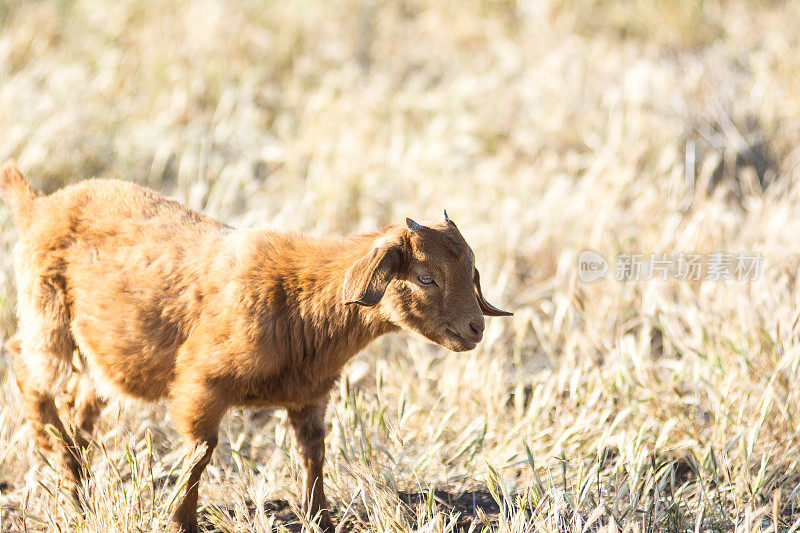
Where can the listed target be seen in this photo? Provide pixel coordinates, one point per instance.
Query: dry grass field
(545, 128)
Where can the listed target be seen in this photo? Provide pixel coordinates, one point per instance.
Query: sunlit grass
(544, 129)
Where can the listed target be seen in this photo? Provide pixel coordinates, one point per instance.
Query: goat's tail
(17, 194)
(13, 346)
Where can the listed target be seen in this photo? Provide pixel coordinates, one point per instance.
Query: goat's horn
(412, 225)
(444, 215)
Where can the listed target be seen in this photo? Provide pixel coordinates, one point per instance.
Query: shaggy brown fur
(161, 302)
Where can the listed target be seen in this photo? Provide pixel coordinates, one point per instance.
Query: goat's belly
(121, 357)
(129, 316)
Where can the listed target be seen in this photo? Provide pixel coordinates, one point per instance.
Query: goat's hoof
(183, 526)
(326, 524)
(70, 485)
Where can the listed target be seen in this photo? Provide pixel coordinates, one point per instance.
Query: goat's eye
(425, 280)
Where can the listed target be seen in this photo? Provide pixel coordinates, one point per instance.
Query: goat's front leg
(309, 429)
(198, 411)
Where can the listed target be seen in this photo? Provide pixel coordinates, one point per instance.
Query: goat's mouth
(464, 343)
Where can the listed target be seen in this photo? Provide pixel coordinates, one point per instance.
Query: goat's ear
(366, 281)
(486, 308)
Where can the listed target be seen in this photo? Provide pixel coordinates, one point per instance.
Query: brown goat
(158, 301)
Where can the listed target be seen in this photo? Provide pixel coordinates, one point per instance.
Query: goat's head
(424, 279)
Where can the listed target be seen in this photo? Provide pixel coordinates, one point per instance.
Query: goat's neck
(346, 328)
(310, 273)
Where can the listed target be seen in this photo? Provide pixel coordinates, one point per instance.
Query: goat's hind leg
(34, 370)
(41, 368)
(83, 409)
(86, 410)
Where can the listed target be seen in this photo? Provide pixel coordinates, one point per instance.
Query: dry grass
(544, 129)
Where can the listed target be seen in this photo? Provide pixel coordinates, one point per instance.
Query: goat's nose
(477, 328)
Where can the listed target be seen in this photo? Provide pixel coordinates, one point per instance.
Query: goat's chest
(293, 385)
(294, 364)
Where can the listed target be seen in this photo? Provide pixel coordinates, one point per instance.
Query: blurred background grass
(544, 128)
